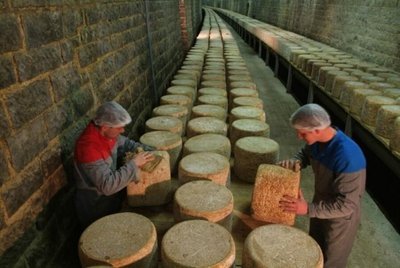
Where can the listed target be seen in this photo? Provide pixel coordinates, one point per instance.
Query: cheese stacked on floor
(246, 112)
(209, 110)
(204, 200)
(250, 152)
(182, 100)
(153, 188)
(165, 141)
(203, 125)
(217, 100)
(279, 245)
(204, 166)
(212, 91)
(197, 243)
(165, 123)
(277, 182)
(178, 111)
(247, 101)
(119, 240)
(247, 127)
(241, 92)
(182, 90)
(214, 143)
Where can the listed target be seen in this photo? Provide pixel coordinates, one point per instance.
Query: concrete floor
(377, 244)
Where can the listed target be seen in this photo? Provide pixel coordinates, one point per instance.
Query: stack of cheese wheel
(164, 123)
(250, 152)
(178, 111)
(385, 119)
(277, 182)
(215, 143)
(209, 110)
(212, 91)
(182, 100)
(182, 90)
(277, 245)
(218, 100)
(203, 125)
(247, 127)
(119, 240)
(371, 107)
(165, 141)
(204, 200)
(241, 92)
(204, 166)
(243, 84)
(154, 187)
(246, 112)
(217, 84)
(197, 243)
(247, 101)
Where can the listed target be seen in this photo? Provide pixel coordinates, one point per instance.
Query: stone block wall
(59, 60)
(368, 29)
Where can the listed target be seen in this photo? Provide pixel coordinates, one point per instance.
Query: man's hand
(292, 164)
(294, 205)
(142, 158)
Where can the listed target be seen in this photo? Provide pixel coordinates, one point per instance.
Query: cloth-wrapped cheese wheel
(277, 182)
(278, 245)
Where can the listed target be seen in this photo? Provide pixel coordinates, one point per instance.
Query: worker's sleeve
(303, 156)
(98, 174)
(347, 191)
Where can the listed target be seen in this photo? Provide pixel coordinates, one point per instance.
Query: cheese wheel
(218, 100)
(177, 99)
(247, 127)
(393, 93)
(153, 187)
(212, 91)
(184, 82)
(371, 79)
(330, 77)
(316, 68)
(243, 84)
(238, 72)
(277, 181)
(165, 141)
(196, 73)
(278, 245)
(206, 124)
(237, 77)
(209, 111)
(119, 240)
(241, 92)
(394, 143)
(182, 90)
(347, 89)
(385, 118)
(394, 80)
(217, 84)
(204, 200)
(250, 152)
(178, 111)
(204, 166)
(380, 85)
(322, 74)
(218, 72)
(212, 77)
(338, 84)
(248, 101)
(371, 107)
(165, 123)
(197, 243)
(357, 99)
(247, 112)
(208, 143)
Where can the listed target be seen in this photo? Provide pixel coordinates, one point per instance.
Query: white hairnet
(310, 116)
(111, 114)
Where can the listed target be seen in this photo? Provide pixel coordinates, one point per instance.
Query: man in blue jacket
(99, 180)
(339, 168)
